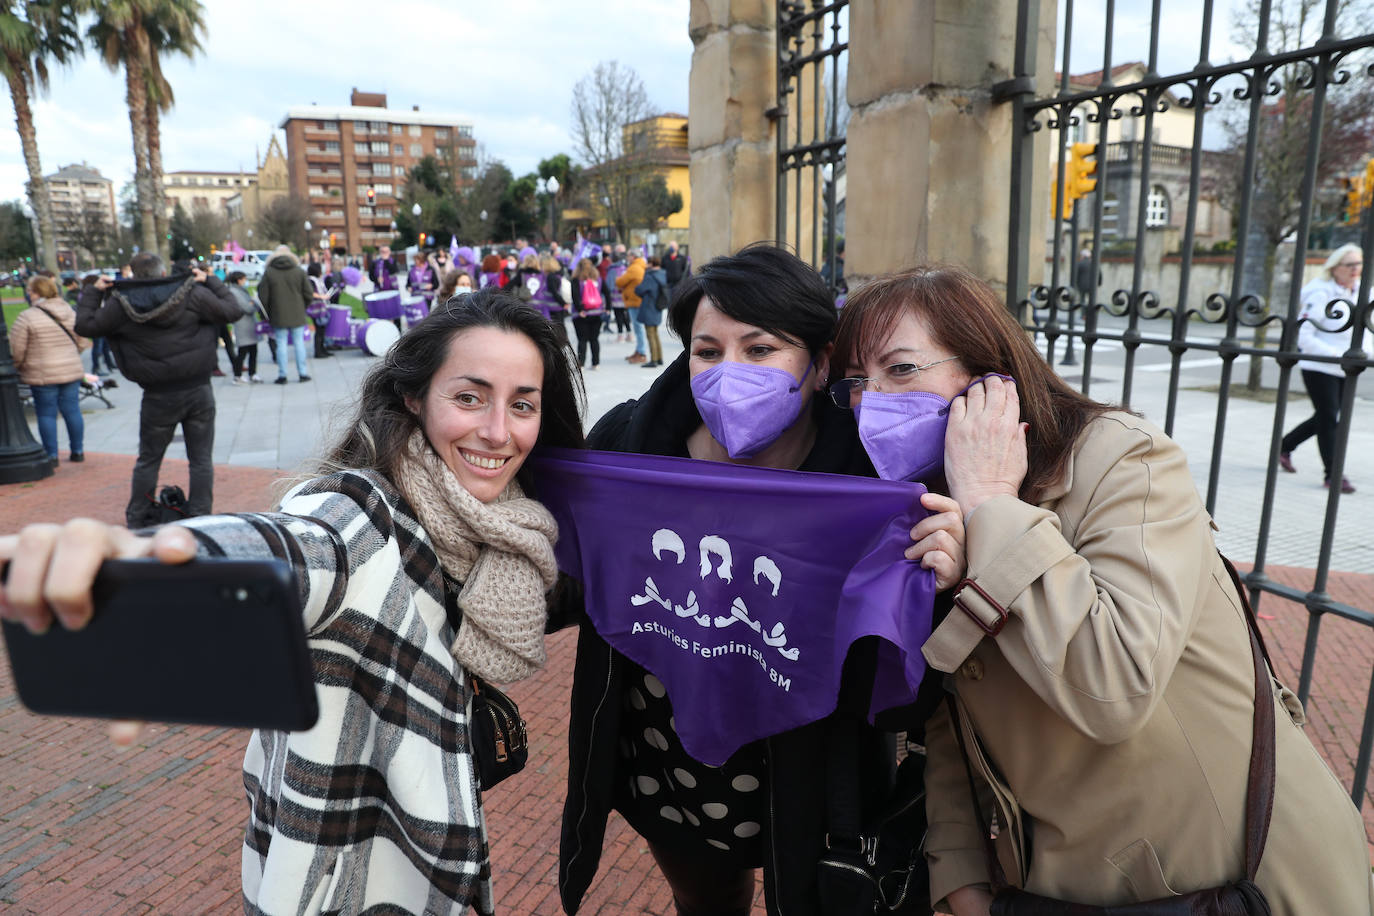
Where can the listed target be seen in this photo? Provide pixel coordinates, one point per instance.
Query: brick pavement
(86, 828)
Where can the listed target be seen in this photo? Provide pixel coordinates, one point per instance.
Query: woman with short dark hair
(757, 322)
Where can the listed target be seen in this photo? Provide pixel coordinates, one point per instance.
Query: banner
(741, 588)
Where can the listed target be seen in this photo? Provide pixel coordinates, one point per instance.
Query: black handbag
(1234, 898)
(875, 864)
(500, 744)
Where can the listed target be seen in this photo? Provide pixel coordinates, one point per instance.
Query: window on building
(360, 127)
(469, 171)
(398, 150)
(416, 150)
(415, 130)
(360, 148)
(364, 171)
(379, 147)
(328, 125)
(441, 134)
(331, 146)
(1157, 207)
(395, 130)
(365, 211)
(379, 127)
(384, 212)
(224, 182)
(383, 188)
(382, 169)
(1110, 214)
(400, 171)
(316, 190)
(465, 130)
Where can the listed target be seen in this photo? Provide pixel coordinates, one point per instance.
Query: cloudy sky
(507, 67)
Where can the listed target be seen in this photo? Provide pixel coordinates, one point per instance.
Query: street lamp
(415, 210)
(553, 207)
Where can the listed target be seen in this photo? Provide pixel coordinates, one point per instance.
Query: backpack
(591, 296)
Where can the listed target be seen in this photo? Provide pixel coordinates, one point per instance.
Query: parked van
(253, 263)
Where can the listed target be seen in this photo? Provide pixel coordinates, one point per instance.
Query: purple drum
(336, 332)
(377, 335)
(414, 308)
(383, 305)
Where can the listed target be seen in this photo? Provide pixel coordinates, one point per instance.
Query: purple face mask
(904, 432)
(746, 407)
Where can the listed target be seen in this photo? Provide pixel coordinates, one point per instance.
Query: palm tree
(31, 33)
(172, 28)
(121, 37)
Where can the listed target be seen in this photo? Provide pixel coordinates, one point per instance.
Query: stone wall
(732, 142)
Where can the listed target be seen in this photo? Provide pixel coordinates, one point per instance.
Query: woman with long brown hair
(1103, 687)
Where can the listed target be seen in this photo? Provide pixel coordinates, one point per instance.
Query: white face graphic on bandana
(716, 559)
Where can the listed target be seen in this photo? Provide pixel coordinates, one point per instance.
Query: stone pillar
(929, 152)
(732, 142)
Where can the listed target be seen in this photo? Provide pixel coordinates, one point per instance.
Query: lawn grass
(12, 310)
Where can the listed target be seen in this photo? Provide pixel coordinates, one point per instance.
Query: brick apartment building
(83, 213)
(336, 155)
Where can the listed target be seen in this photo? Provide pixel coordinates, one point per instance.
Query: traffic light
(1076, 181)
(1367, 196)
(1354, 193)
(422, 240)
(331, 240)
(371, 196)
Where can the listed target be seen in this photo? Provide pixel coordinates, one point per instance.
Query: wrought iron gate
(810, 128)
(1299, 85)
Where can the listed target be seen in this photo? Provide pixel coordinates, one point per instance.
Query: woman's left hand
(985, 444)
(938, 540)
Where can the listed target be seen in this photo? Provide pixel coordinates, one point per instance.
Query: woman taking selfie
(1100, 658)
(416, 542)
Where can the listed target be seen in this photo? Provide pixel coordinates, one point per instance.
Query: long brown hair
(967, 318)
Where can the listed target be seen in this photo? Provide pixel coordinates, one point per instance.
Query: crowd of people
(1095, 683)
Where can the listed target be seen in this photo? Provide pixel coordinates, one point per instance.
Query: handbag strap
(842, 814)
(60, 325)
(1259, 785)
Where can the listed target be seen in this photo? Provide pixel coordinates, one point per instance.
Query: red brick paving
(86, 828)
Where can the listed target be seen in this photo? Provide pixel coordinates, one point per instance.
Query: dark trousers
(226, 334)
(100, 350)
(158, 417)
(703, 888)
(247, 356)
(588, 328)
(622, 320)
(1325, 392)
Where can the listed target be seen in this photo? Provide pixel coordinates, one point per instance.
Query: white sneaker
(256, 380)
(239, 380)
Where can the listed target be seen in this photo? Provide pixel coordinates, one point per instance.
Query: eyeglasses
(1351, 264)
(845, 393)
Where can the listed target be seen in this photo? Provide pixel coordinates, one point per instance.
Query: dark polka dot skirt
(672, 799)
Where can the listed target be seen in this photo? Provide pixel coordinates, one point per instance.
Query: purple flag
(453, 251)
(645, 249)
(742, 588)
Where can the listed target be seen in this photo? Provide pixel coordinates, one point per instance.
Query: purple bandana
(742, 588)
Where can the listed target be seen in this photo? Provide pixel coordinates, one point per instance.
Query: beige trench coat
(1116, 702)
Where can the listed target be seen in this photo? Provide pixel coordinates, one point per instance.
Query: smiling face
(481, 414)
(717, 338)
(893, 365)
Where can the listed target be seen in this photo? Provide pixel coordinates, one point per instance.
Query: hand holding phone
(212, 641)
(52, 567)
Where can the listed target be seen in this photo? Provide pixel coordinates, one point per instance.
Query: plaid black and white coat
(378, 805)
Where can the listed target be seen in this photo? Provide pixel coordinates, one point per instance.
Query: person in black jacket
(710, 828)
(164, 332)
(674, 267)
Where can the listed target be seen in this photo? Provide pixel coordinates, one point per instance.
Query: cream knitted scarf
(502, 553)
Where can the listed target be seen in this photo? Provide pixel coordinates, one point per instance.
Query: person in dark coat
(1084, 279)
(710, 828)
(164, 332)
(285, 293)
(653, 296)
(674, 267)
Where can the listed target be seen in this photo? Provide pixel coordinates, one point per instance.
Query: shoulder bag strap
(60, 325)
(1259, 787)
(996, 876)
(842, 822)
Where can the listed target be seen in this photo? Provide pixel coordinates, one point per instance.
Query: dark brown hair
(382, 423)
(967, 318)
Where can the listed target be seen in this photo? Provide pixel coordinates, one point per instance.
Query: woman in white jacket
(1325, 331)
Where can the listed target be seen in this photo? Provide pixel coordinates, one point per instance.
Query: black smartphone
(209, 642)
